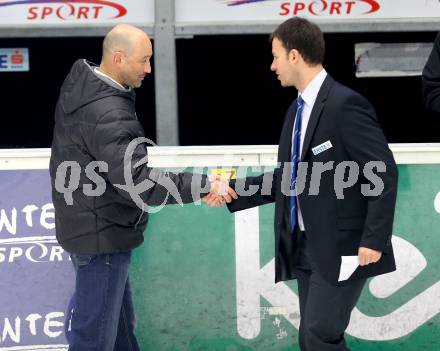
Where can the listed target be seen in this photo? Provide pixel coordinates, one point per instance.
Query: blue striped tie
(296, 141)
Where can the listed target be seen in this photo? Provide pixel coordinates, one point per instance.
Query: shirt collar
(108, 77)
(312, 89)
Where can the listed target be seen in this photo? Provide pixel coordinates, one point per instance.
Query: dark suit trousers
(325, 309)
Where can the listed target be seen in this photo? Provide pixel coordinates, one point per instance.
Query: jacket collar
(316, 113)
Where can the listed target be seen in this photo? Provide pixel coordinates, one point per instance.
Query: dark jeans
(325, 309)
(103, 315)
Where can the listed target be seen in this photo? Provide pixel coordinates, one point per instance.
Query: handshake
(220, 192)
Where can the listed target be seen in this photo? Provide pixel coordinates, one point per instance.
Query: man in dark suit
(338, 201)
(431, 79)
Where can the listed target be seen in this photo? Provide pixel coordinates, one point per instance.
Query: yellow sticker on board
(227, 173)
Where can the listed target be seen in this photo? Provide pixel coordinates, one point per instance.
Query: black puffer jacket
(95, 121)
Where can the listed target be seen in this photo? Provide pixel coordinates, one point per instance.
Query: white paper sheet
(348, 266)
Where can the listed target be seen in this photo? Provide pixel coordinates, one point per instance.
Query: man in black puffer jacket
(101, 187)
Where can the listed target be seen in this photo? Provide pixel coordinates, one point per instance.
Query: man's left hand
(367, 256)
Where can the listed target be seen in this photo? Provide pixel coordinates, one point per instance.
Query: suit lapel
(286, 134)
(316, 113)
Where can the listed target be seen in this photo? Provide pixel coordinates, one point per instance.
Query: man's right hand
(220, 192)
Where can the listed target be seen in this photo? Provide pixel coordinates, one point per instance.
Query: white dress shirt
(309, 95)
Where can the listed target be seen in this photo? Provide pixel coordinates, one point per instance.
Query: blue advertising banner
(14, 60)
(37, 277)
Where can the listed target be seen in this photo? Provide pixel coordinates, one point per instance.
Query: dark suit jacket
(431, 79)
(334, 227)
